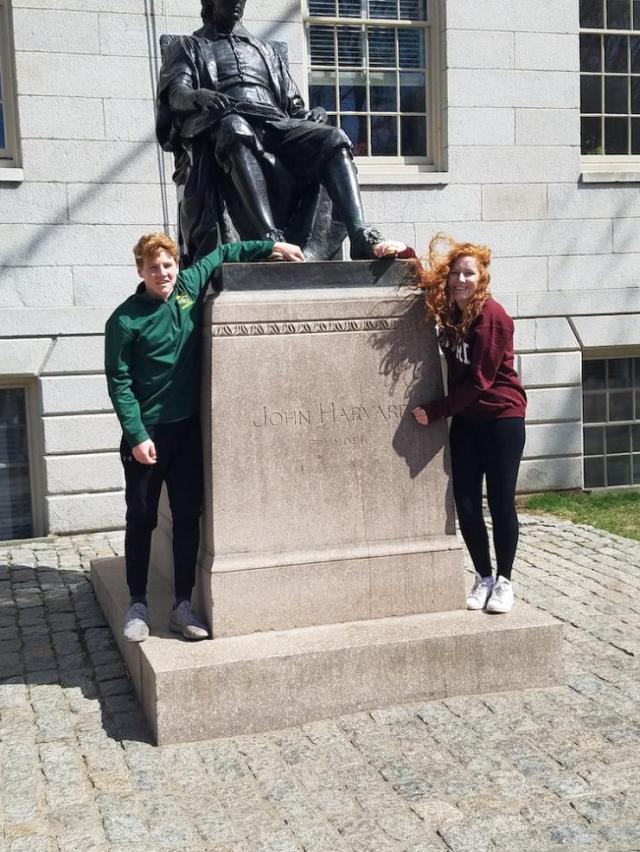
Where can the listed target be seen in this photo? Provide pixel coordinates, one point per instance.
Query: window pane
(594, 473)
(615, 54)
(414, 136)
(591, 136)
(353, 91)
(322, 90)
(616, 95)
(383, 8)
(616, 136)
(636, 470)
(382, 47)
(593, 441)
(618, 439)
(590, 53)
(635, 135)
(411, 48)
(637, 417)
(618, 14)
(594, 375)
(595, 408)
(384, 136)
(351, 8)
(634, 55)
(356, 129)
(635, 95)
(413, 10)
(15, 488)
(635, 438)
(636, 372)
(413, 94)
(321, 46)
(383, 93)
(619, 372)
(636, 15)
(619, 470)
(591, 13)
(621, 405)
(324, 8)
(3, 140)
(350, 46)
(590, 93)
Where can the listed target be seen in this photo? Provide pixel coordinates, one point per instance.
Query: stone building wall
(566, 256)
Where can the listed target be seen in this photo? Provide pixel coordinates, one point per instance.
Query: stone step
(277, 679)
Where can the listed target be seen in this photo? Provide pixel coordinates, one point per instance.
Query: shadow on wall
(48, 233)
(409, 357)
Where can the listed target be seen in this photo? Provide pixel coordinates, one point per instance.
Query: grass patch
(615, 511)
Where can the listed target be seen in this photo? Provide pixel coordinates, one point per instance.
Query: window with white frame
(610, 77)
(16, 519)
(8, 137)
(611, 421)
(368, 66)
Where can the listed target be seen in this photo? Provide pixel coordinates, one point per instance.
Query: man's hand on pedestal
(287, 251)
(145, 453)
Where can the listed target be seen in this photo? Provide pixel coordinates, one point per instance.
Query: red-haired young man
(152, 363)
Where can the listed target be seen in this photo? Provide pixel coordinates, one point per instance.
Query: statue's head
(225, 14)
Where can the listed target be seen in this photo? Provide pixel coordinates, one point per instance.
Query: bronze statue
(251, 161)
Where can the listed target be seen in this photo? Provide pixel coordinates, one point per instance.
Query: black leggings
(179, 464)
(491, 448)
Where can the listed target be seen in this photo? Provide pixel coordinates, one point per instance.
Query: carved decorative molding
(307, 327)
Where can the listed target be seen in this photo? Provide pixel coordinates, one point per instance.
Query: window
(610, 77)
(15, 484)
(369, 67)
(611, 421)
(8, 136)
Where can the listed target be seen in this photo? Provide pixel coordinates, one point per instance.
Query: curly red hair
(443, 253)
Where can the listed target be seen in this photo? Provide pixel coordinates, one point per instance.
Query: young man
(152, 363)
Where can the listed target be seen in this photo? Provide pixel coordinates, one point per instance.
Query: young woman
(486, 403)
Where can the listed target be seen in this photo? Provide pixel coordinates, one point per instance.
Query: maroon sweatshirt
(482, 382)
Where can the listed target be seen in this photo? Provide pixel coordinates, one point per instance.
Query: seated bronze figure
(251, 161)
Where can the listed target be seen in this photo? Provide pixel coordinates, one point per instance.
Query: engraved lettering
(327, 414)
(264, 418)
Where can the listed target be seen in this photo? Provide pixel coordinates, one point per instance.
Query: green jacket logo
(184, 300)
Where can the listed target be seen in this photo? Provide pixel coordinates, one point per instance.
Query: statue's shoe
(363, 242)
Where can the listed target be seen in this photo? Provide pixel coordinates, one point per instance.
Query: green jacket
(152, 348)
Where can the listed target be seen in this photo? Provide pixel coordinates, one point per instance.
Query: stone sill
(405, 176)
(11, 175)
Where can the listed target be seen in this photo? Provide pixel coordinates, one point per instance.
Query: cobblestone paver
(541, 770)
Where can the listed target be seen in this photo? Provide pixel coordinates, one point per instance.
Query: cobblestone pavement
(541, 770)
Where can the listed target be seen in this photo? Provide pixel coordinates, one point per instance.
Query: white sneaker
(501, 599)
(183, 620)
(479, 594)
(136, 626)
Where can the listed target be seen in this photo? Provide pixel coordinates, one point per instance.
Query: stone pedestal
(325, 501)
(329, 568)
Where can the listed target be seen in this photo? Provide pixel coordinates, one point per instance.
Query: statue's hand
(318, 115)
(206, 99)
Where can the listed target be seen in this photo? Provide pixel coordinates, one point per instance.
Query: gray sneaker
(136, 626)
(184, 621)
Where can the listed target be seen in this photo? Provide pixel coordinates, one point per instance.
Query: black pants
(179, 464)
(493, 449)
